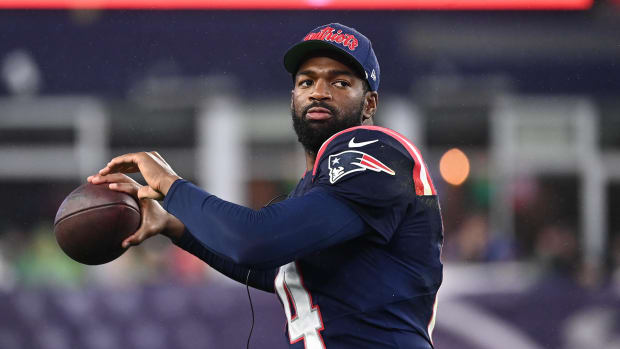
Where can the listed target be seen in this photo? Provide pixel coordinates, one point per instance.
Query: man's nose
(320, 91)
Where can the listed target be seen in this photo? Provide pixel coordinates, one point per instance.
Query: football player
(354, 252)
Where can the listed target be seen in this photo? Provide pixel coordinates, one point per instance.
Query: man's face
(328, 97)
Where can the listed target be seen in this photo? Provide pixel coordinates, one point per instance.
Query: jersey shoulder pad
(372, 148)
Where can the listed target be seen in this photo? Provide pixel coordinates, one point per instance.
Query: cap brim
(297, 53)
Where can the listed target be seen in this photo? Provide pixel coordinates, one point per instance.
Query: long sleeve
(260, 279)
(265, 238)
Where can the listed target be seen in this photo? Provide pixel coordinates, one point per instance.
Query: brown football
(93, 221)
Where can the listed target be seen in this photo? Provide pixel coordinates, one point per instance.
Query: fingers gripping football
(156, 172)
(154, 218)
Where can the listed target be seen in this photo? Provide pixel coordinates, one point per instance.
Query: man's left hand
(158, 175)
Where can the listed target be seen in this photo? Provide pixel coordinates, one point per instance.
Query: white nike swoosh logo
(352, 143)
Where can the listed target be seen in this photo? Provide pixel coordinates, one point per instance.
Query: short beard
(311, 136)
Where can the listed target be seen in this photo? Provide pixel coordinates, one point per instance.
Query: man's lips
(318, 113)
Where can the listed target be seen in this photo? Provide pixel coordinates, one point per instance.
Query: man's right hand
(155, 220)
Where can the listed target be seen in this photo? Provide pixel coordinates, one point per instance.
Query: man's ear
(371, 101)
(292, 96)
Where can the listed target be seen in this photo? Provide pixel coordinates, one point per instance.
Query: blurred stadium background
(517, 113)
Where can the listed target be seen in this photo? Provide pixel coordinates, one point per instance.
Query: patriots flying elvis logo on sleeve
(351, 161)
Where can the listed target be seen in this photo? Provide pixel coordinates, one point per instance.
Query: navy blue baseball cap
(342, 40)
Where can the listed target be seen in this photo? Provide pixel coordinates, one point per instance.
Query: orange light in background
(454, 166)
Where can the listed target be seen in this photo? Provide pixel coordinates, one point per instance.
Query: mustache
(319, 104)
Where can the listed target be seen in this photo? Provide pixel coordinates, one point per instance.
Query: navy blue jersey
(378, 290)
(353, 254)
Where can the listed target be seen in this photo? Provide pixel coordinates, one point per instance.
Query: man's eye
(341, 83)
(305, 83)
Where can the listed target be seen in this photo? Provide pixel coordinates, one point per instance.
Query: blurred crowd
(33, 259)
(545, 236)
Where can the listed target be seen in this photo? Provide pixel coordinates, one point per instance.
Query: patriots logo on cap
(351, 161)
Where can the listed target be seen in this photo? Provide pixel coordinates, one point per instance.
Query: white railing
(78, 157)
